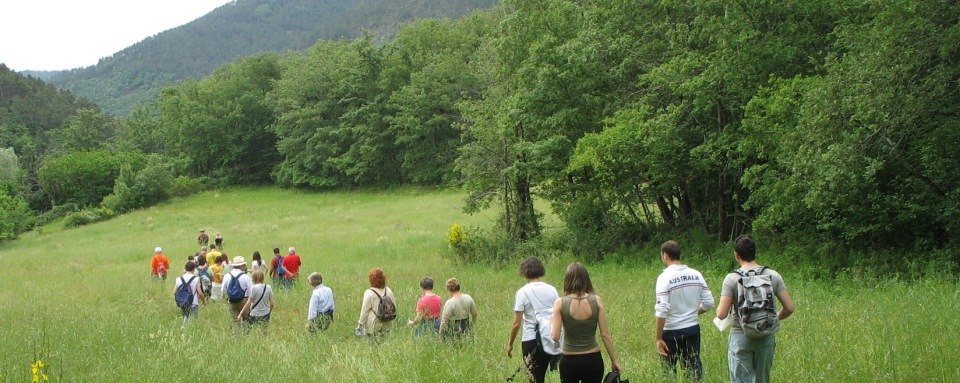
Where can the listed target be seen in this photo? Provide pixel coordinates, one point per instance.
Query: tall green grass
(83, 302)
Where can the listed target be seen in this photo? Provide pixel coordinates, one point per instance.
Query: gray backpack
(755, 307)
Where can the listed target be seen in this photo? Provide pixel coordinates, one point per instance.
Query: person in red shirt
(159, 264)
(276, 272)
(291, 267)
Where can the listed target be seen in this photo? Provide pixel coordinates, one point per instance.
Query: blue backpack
(183, 296)
(235, 292)
(280, 270)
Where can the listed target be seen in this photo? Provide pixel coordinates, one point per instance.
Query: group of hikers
(556, 331)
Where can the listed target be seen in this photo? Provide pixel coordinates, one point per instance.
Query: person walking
(750, 359)
(321, 307)
(681, 295)
(369, 324)
(579, 313)
(257, 263)
(216, 278)
(259, 304)
(276, 267)
(235, 302)
(428, 309)
(193, 284)
(203, 239)
(534, 296)
(291, 267)
(159, 264)
(458, 313)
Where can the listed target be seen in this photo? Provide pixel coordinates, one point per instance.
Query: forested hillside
(242, 28)
(833, 127)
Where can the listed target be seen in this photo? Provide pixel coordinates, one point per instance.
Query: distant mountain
(241, 28)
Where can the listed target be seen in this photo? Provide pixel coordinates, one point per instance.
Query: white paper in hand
(723, 324)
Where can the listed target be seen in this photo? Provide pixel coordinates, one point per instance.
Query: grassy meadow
(82, 301)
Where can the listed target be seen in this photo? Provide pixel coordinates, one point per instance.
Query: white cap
(157, 250)
(292, 250)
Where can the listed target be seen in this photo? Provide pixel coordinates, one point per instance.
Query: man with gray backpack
(748, 296)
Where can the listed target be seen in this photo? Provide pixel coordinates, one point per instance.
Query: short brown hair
(377, 278)
(453, 285)
(576, 280)
(672, 248)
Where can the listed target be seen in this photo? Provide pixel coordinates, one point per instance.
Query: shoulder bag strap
(262, 293)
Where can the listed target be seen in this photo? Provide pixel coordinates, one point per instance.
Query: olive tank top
(580, 335)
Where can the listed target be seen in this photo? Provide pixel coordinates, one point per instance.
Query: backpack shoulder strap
(378, 294)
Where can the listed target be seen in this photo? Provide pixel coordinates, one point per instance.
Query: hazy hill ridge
(241, 28)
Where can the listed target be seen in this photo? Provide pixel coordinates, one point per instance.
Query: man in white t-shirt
(682, 295)
(534, 296)
(239, 271)
(194, 285)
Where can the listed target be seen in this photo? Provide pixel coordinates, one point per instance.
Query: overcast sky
(67, 34)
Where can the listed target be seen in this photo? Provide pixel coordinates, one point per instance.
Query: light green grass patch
(82, 300)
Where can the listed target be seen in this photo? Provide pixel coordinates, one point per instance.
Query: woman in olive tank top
(580, 312)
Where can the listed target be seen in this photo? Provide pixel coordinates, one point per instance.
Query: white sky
(67, 34)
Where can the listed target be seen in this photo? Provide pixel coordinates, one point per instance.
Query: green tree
(9, 165)
(861, 156)
(87, 129)
(311, 97)
(218, 126)
(15, 216)
(83, 178)
(142, 182)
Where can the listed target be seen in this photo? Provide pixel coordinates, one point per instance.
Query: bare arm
(203, 297)
(556, 321)
(514, 329)
(246, 307)
(607, 339)
(443, 327)
(786, 305)
(417, 318)
(723, 308)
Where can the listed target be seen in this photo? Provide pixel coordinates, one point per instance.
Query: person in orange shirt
(159, 264)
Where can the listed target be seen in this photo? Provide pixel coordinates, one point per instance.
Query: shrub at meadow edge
(81, 301)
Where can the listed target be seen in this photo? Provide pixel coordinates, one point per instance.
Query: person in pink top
(291, 267)
(428, 309)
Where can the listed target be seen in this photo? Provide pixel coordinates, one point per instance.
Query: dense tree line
(823, 123)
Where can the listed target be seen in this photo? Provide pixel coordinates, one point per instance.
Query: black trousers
(585, 368)
(538, 363)
(683, 347)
